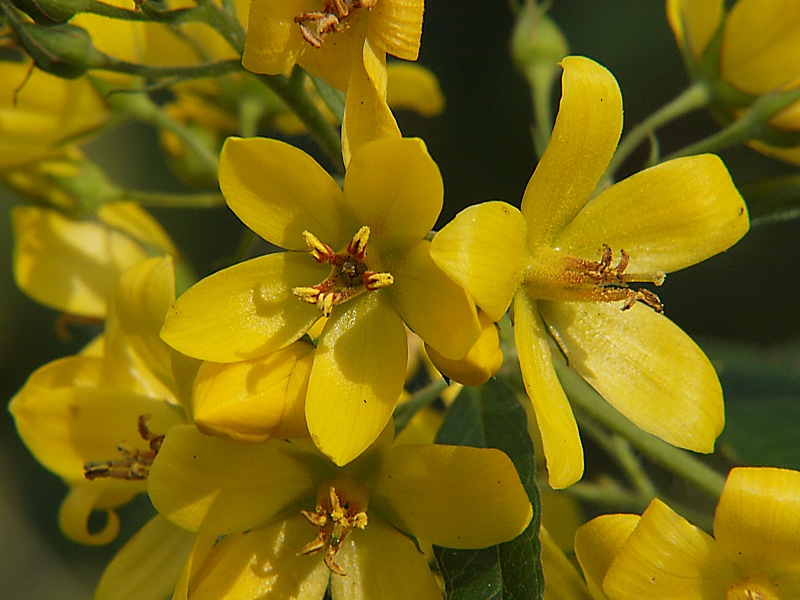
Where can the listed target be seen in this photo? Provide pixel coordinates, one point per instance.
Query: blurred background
(740, 306)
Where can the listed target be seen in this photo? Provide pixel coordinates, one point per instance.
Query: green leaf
(491, 417)
(333, 98)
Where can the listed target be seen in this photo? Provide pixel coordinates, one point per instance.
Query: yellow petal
(790, 155)
(396, 27)
(273, 39)
(70, 265)
(131, 219)
(758, 519)
(334, 61)
(394, 186)
(695, 22)
(381, 562)
(452, 496)
(597, 542)
(244, 311)
(563, 581)
(264, 564)
(210, 485)
(483, 249)
(73, 515)
(279, 191)
(247, 401)
(633, 359)
(148, 565)
(584, 139)
(665, 558)
(761, 45)
(413, 87)
(667, 217)
(560, 439)
(203, 545)
(433, 306)
(357, 377)
(367, 116)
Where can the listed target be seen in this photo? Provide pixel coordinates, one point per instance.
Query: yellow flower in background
(97, 419)
(293, 521)
(755, 54)
(38, 117)
(344, 42)
(357, 255)
(73, 264)
(755, 551)
(571, 262)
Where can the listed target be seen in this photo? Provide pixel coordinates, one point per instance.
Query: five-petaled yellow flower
(357, 254)
(293, 521)
(568, 261)
(752, 50)
(754, 554)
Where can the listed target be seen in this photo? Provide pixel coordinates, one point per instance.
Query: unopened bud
(49, 12)
(537, 43)
(62, 50)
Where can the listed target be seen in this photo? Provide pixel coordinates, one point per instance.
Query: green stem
(694, 97)
(296, 98)
(541, 82)
(166, 200)
(674, 459)
(226, 23)
(171, 17)
(186, 72)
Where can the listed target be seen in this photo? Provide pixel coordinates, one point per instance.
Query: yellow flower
(344, 42)
(752, 51)
(292, 520)
(357, 255)
(45, 112)
(96, 419)
(568, 261)
(755, 551)
(73, 264)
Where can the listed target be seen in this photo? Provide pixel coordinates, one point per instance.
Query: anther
(135, 464)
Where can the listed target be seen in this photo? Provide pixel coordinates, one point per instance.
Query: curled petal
(560, 439)
(279, 191)
(381, 562)
(452, 496)
(244, 311)
(357, 377)
(73, 516)
(483, 249)
(583, 141)
(666, 218)
(633, 359)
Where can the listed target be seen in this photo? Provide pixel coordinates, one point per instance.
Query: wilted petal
(452, 496)
(357, 377)
(279, 191)
(148, 565)
(483, 249)
(666, 218)
(758, 519)
(246, 310)
(263, 563)
(583, 141)
(434, 306)
(645, 366)
(562, 443)
(381, 562)
(210, 485)
(598, 542)
(665, 558)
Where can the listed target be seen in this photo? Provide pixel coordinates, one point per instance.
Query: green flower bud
(49, 12)
(62, 50)
(537, 43)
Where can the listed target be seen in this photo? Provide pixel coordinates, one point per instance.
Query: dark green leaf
(491, 417)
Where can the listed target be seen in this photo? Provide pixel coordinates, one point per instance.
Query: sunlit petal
(273, 40)
(562, 443)
(645, 366)
(396, 27)
(483, 249)
(597, 543)
(584, 139)
(357, 377)
(246, 310)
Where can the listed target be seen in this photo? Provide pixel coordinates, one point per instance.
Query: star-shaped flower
(292, 520)
(570, 262)
(357, 254)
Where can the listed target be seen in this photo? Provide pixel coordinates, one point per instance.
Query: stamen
(335, 16)
(134, 465)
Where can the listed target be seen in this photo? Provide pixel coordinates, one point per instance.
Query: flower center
(754, 588)
(333, 18)
(349, 276)
(337, 514)
(134, 465)
(582, 280)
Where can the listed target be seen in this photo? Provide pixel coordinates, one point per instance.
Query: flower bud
(537, 44)
(49, 12)
(63, 50)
